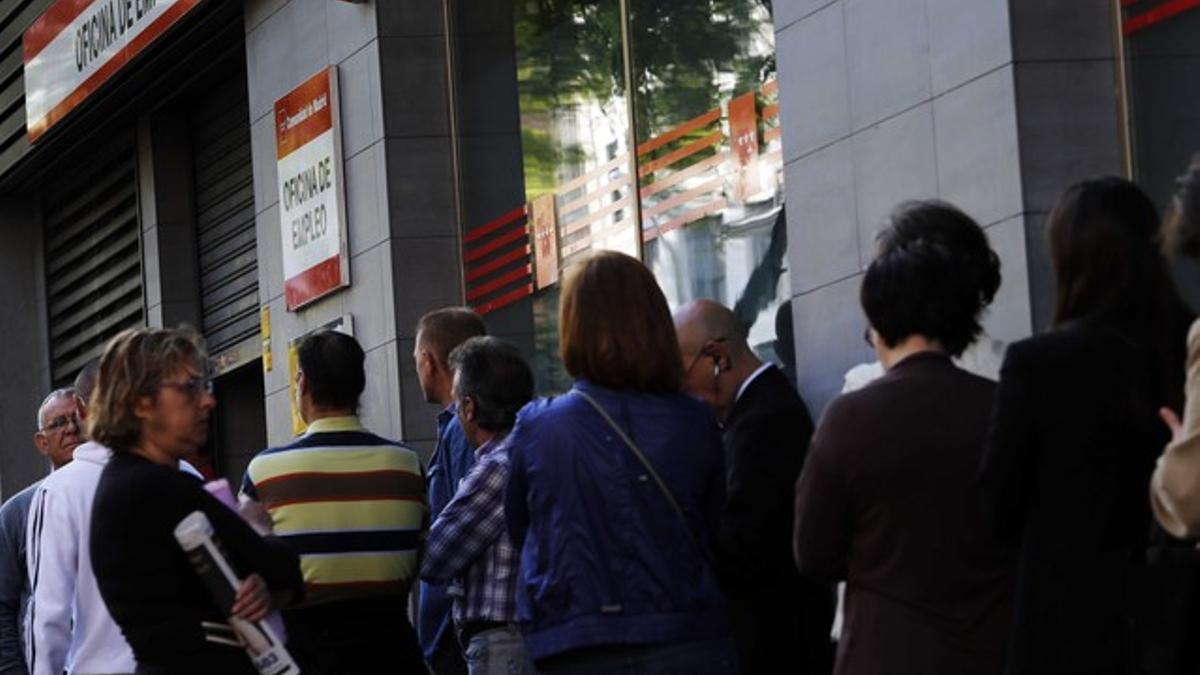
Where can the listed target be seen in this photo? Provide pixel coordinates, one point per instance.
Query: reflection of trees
(687, 55)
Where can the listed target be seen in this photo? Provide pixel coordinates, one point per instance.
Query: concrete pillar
(888, 100)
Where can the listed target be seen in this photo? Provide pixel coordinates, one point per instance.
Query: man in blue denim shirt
(438, 333)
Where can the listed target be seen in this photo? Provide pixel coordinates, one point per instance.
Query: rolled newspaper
(267, 652)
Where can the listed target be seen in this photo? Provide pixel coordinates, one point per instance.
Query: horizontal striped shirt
(350, 503)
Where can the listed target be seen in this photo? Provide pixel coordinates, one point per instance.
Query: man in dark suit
(778, 617)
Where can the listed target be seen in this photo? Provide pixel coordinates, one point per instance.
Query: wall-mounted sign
(743, 139)
(312, 203)
(75, 46)
(543, 224)
(345, 324)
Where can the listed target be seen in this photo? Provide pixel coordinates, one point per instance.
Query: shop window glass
(1162, 59)
(705, 211)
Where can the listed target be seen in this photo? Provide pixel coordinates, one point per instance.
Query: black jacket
(147, 581)
(1074, 438)
(777, 616)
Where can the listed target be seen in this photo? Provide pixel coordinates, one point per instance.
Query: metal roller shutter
(224, 192)
(92, 255)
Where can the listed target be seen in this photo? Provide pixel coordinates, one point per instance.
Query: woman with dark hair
(151, 407)
(1175, 485)
(615, 492)
(1075, 433)
(887, 500)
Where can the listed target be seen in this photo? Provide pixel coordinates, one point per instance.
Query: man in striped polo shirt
(353, 506)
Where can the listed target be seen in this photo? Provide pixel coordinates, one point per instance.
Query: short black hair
(934, 275)
(332, 363)
(496, 377)
(444, 329)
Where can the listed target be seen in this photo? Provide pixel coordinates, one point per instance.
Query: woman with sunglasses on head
(887, 499)
(1076, 431)
(151, 407)
(615, 493)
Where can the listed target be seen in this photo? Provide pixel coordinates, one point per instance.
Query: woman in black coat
(1075, 434)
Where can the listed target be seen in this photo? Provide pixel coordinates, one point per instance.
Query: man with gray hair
(469, 539)
(67, 626)
(58, 433)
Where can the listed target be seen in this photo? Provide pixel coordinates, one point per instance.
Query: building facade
(746, 150)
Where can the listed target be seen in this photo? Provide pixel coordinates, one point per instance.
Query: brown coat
(888, 501)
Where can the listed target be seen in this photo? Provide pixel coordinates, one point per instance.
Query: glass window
(1162, 59)
(706, 211)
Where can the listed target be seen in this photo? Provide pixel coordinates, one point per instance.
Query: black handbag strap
(641, 456)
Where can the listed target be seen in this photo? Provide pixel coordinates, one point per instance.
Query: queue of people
(676, 510)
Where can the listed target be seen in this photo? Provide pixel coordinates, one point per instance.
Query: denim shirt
(451, 460)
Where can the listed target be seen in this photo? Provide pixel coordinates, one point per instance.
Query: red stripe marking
(503, 240)
(38, 127)
(346, 474)
(338, 500)
(494, 225)
(313, 283)
(52, 22)
(288, 141)
(506, 299)
(499, 282)
(1159, 14)
(492, 265)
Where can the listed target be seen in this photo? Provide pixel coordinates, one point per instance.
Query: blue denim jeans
(499, 651)
(714, 657)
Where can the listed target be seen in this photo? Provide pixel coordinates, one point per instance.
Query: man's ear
(41, 442)
(467, 406)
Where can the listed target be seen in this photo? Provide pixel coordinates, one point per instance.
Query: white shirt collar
(746, 383)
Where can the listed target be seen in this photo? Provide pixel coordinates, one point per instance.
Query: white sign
(75, 46)
(312, 204)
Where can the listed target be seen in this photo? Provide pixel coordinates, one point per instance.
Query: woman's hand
(1172, 421)
(253, 600)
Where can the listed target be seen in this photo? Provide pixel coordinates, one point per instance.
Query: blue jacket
(604, 558)
(451, 461)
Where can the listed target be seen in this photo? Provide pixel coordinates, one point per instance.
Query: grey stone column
(963, 100)
(403, 234)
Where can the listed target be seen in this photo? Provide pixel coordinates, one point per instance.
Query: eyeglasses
(60, 423)
(192, 387)
(704, 351)
(867, 337)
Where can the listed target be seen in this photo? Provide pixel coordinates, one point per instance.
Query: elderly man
(56, 438)
(469, 540)
(70, 628)
(777, 616)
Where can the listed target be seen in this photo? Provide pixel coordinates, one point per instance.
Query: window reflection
(706, 209)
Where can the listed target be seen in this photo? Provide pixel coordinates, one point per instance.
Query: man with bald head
(57, 435)
(777, 616)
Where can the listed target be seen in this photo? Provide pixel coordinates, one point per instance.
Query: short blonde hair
(134, 364)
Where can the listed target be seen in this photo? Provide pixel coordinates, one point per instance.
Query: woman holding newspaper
(151, 407)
